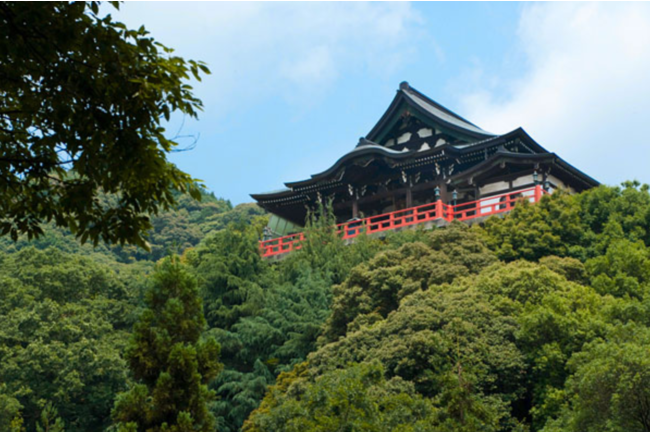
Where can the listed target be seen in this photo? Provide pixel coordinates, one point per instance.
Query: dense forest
(537, 321)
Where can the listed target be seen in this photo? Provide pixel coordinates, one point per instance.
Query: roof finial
(404, 85)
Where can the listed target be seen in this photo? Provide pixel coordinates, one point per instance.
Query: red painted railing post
(450, 212)
(538, 193)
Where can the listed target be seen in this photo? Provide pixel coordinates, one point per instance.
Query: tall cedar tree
(169, 361)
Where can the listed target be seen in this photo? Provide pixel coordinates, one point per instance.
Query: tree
(63, 321)
(169, 361)
(266, 316)
(229, 268)
(610, 390)
(376, 287)
(581, 226)
(354, 399)
(82, 98)
(50, 422)
(10, 418)
(258, 347)
(551, 227)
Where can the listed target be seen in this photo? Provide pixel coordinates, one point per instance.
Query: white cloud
(584, 90)
(315, 66)
(260, 49)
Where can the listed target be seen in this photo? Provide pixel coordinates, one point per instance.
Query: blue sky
(294, 85)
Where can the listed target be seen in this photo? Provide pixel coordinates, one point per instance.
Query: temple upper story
(419, 153)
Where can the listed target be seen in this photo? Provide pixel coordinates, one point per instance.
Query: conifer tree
(50, 421)
(170, 363)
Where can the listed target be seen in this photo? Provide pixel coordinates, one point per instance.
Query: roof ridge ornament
(363, 141)
(404, 85)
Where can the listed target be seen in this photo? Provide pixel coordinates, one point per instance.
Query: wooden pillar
(444, 196)
(409, 198)
(355, 209)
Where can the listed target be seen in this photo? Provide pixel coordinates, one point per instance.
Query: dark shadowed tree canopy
(82, 99)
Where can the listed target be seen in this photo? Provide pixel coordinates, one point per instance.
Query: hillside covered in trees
(537, 321)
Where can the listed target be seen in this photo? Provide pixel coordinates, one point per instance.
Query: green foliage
(57, 294)
(571, 268)
(375, 288)
(279, 334)
(174, 230)
(170, 362)
(322, 247)
(623, 270)
(101, 287)
(63, 323)
(554, 317)
(243, 213)
(266, 315)
(537, 321)
(50, 422)
(10, 417)
(228, 265)
(555, 345)
(613, 212)
(83, 101)
(579, 226)
(433, 333)
(551, 227)
(610, 388)
(324, 251)
(357, 398)
(230, 272)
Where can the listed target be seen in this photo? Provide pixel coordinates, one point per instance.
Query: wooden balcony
(436, 212)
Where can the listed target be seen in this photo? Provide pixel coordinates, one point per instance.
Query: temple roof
(503, 157)
(409, 98)
(367, 148)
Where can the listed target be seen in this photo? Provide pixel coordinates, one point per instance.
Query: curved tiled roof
(368, 148)
(429, 109)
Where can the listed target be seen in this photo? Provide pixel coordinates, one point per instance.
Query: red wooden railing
(412, 216)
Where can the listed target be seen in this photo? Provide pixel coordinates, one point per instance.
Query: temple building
(421, 162)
